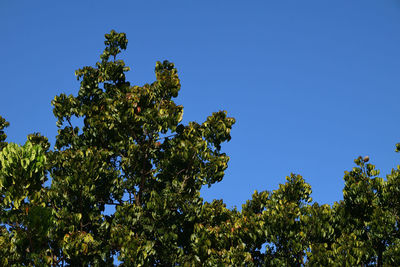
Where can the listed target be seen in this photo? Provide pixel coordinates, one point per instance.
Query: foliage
(3, 136)
(127, 184)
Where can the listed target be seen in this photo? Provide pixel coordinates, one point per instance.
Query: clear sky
(312, 84)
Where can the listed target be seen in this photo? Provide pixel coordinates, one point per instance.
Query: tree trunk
(380, 258)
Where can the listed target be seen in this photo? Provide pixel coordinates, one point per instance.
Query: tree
(127, 184)
(133, 153)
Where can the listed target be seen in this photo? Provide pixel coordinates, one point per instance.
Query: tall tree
(126, 182)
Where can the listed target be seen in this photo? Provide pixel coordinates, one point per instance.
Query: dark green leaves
(3, 136)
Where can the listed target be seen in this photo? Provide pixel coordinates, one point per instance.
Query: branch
(172, 135)
(70, 124)
(110, 203)
(142, 180)
(186, 177)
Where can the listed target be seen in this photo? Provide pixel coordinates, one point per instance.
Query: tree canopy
(134, 154)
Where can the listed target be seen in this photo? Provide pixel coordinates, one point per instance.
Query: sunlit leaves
(22, 173)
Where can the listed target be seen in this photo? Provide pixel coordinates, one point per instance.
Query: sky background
(312, 84)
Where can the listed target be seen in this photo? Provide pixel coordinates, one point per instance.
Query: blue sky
(312, 84)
